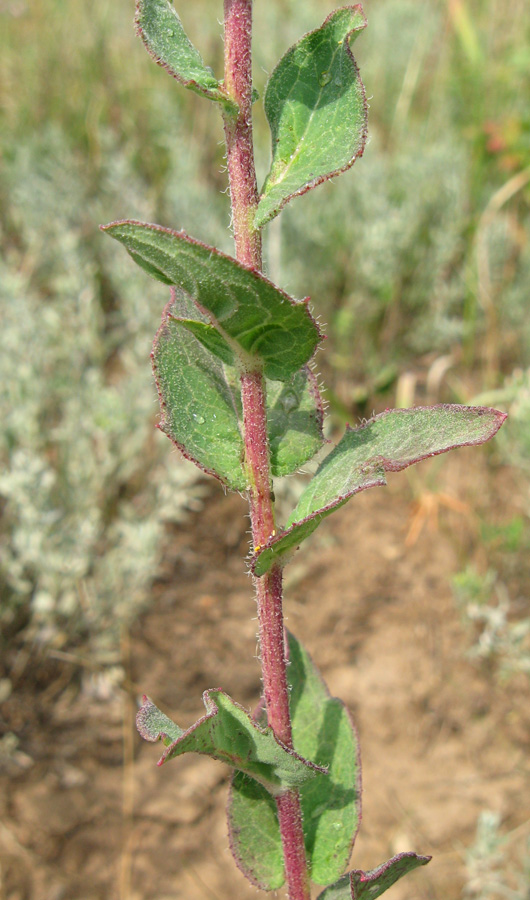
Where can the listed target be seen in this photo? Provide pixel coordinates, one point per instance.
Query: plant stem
(238, 131)
(244, 201)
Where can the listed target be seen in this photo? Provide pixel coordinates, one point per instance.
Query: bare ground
(85, 814)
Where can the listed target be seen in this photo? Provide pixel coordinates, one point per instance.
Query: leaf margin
(164, 423)
(357, 877)
(149, 708)
(269, 552)
(261, 221)
(216, 94)
(313, 333)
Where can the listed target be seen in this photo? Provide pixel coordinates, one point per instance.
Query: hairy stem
(238, 131)
(244, 201)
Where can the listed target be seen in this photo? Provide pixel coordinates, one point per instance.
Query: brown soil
(85, 814)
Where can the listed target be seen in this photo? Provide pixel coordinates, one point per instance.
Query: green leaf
(228, 733)
(254, 833)
(294, 407)
(262, 325)
(316, 107)
(210, 338)
(199, 405)
(322, 732)
(389, 442)
(322, 728)
(294, 421)
(359, 885)
(160, 28)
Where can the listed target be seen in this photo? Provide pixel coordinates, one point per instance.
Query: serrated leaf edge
(320, 179)
(387, 465)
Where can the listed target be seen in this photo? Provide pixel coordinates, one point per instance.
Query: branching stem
(244, 201)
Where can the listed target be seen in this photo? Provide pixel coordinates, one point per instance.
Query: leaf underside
(358, 885)
(316, 108)
(160, 28)
(255, 321)
(229, 734)
(201, 404)
(323, 732)
(388, 442)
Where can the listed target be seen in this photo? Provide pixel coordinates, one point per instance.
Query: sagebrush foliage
(86, 485)
(116, 141)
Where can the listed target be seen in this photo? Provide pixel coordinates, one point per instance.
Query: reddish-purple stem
(244, 200)
(290, 819)
(238, 131)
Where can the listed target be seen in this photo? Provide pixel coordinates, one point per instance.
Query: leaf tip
(358, 8)
(500, 415)
(111, 226)
(141, 718)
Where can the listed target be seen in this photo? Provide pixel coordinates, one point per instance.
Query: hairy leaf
(389, 442)
(294, 407)
(210, 338)
(254, 833)
(201, 404)
(229, 734)
(160, 28)
(261, 324)
(322, 732)
(294, 421)
(316, 108)
(359, 885)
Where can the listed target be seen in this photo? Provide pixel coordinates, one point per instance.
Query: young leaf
(228, 733)
(262, 325)
(322, 732)
(389, 442)
(160, 28)
(198, 403)
(359, 885)
(316, 107)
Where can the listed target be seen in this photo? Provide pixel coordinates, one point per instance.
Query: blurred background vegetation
(418, 261)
